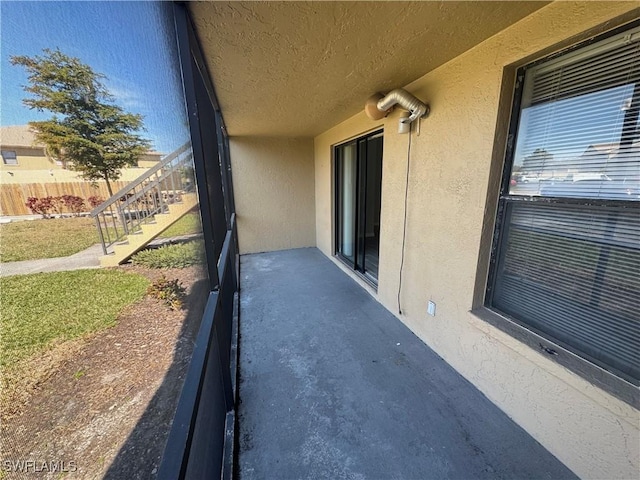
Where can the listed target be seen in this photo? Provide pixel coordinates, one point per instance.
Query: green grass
(187, 225)
(29, 240)
(46, 308)
(180, 255)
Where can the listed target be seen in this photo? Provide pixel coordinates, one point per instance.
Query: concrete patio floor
(333, 386)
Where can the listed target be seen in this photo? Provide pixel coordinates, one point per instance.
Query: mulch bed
(102, 406)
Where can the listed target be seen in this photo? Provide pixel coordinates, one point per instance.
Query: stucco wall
(30, 159)
(34, 167)
(592, 432)
(274, 192)
(56, 175)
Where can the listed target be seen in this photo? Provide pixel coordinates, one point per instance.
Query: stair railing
(148, 195)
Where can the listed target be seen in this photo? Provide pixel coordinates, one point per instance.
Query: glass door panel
(373, 191)
(347, 175)
(358, 177)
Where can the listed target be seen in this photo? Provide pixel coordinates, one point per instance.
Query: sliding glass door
(358, 182)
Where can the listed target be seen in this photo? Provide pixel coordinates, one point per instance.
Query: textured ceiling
(298, 68)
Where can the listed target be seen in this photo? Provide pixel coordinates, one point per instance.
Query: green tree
(89, 133)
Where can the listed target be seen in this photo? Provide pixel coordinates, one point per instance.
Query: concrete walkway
(334, 386)
(88, 258)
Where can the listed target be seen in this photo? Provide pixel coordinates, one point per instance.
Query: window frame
(589, 369)
(4, 159)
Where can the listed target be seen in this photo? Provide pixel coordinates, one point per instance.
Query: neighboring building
(599, 157)
(24, 161)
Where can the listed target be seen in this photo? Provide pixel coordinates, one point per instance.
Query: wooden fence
(13, 196)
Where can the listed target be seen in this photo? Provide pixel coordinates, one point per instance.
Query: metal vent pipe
(407, 101)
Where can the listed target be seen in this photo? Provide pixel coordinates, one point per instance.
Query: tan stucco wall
(34, 167)
(149, 160)
(592, 432)
(56, 174)
(274, 192)
(29, 159)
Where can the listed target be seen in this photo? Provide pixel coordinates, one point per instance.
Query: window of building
(358, 184)
(566, 258)
(9, 157)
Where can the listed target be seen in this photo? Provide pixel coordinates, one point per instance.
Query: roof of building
(23, 136)
(609, 149)
(17, 136)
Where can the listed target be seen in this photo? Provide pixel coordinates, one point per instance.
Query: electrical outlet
(431, 308)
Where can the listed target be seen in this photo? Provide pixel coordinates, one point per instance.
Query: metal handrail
(124, 190)
(210, 385)
(138, 202)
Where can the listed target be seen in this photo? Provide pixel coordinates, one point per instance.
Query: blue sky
(129, 42)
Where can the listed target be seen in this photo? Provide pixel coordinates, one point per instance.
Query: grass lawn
(42, 309)
(46, 238)
(187, 225)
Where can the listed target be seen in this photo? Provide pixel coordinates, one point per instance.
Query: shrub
(95, 200)
(171, 292)
(180, 255)
(44, 206)
(74, 204)
(32, 204)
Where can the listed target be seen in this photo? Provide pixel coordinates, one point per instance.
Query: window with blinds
(567, 258)
(9, 157)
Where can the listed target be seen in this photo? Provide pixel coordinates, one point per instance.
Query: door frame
(358, 264)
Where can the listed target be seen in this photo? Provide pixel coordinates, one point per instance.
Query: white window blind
(578, 129)
(573, 273)
(567, 265)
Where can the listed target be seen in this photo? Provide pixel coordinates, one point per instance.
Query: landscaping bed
(42, 309)
(103, 402)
